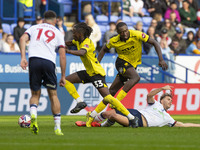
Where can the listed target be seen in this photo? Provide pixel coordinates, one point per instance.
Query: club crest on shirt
(143, 35)
(87, 46)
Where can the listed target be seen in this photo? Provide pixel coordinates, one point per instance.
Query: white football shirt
(44, 39)
(156, 115)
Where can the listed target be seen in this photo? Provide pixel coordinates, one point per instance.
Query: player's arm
(80, 52)
(181, 124)
(150, 99)
(162, 63)
(62, 65)
(102, 52)
(22, 43)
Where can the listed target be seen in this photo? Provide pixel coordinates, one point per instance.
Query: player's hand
(62, 82)
(24, 63)
(163, 64)
(167, 87)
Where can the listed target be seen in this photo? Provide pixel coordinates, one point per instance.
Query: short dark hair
(164, 95)
(120, 24)
(49, 14)
(83, 28)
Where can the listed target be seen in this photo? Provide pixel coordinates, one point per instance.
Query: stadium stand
(6, 28)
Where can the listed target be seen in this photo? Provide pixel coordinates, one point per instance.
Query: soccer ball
(24, 121)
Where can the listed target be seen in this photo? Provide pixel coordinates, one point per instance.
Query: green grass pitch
(12, 137)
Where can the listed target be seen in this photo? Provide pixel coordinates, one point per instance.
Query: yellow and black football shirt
(89, 60)
(131, 49)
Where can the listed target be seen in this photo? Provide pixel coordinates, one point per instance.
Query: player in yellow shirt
(94, 73)
(128, 45)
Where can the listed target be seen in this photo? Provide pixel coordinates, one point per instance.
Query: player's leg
(34, 101)
(55, 108)
(108, 98)
(75, 78)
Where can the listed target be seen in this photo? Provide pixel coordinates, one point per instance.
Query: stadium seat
(26, 26)
(102, 19)
(6, 28)
(67, 6)
(135, 20)
(114, 18)
(127, 20)
(131, 28)
(103, 28)
(12, 26)
(146, 13)
(145, 29)
(146, 21)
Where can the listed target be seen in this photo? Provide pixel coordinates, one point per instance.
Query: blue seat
(26, 26)
(146, 21)
(131, 28)
(12, 26)
(146, 13)
(103, 28)
(6, 28)
(114, 18)
(102, 19)
(135, 20)
(127, 20)
(145, 29)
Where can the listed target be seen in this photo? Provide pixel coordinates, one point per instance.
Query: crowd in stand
(170, 22)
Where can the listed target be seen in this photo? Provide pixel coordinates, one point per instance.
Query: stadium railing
(165, 73)
(93, 7)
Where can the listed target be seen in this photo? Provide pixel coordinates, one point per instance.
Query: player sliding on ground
(154, 115)
(44, 39)
(94, 74)
(128, 45)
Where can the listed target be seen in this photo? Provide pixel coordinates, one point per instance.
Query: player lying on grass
(154, 115)
(93, 73)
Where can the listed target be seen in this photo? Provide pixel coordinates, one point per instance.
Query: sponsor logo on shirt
(87, 46)
(143, 35)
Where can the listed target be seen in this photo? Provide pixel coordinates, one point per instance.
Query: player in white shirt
(44, 40)
(154, 115)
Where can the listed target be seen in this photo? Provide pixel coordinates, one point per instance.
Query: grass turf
(82, 138)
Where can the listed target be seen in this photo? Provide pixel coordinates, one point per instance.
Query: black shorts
(121, 66)
(97, 80)
(134, 112)
(42, 72)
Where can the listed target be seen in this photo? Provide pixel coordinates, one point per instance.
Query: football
(24, 121)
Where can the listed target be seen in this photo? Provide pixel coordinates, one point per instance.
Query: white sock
(93, 114)
(107, 123)
(33, 110)
(130, 116)
(79, 100)
(57, 121)
(99, 118)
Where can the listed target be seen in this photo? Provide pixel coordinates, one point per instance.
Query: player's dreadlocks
(120, 24)
(83, 28)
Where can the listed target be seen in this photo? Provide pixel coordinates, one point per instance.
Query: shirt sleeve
(61, 42)
(85, 46)
(171, 121)
(74, 42)
(142, 36)
(109, 44)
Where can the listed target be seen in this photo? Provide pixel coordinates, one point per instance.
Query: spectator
(194, 48)
(1, 29)
(38, 20)
(86, 9)
(3, 40)
(155, 7)
(127, 9)
(160, 23)
(164, 36)
(24, 5)
(182, 42)
(197, 34)
(114, 8)
(96, 34)
(190, 38)
(180, 3)
(137, 6)
(175, 46)
(139, 26)
(173, 19)
(154, 24)
(170, 29)
(19, 29)
(110, 33)
(118, 21)
(172, 8)
(60, 26)
(193, 4)
(10, 45)
(188, 15)
(198, 16)
(151, 33)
